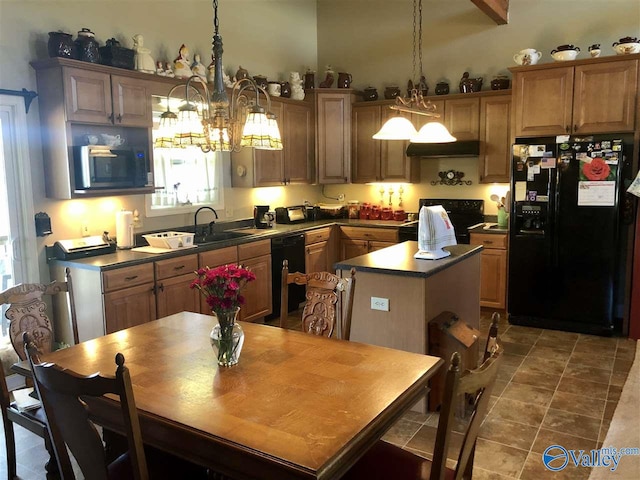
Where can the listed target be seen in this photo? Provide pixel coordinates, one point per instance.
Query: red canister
(386, 213)
(375, 213)
(365, 210)
(399, 215)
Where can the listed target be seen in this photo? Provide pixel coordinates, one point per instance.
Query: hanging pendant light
(401, 128)
(220, 124)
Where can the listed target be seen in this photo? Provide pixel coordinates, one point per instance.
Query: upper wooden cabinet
(495, 142)
(378, 160)
(95, 96)
(588, 96)
(294, 163)
(461, 117)
(333, 134)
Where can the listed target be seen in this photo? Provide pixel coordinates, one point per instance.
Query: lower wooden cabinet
(356, 241)
(173, 280)
(257, 294)
(493, 269)
(318, 251)
(129, 307)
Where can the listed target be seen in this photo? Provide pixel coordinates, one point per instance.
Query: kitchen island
(396, 295)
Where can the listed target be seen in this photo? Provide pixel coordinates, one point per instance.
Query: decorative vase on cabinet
(227, 338)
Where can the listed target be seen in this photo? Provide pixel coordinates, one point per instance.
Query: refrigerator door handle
(553, 228)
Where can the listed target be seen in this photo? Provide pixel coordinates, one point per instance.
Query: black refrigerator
(565, 240)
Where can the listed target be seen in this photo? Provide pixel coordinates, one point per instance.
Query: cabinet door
(495, 142)
(542, 101)
(316, 257)
(87, 96)
(257, 294)
(174, 295)
(131, 102)
(269, 164)
(462, 118)
(366, 121)
(373, 246)
(493, 282)
(604, 98)
(333, 127)
(129, 307)
(353, 248)
(298, 139)
(394, 163)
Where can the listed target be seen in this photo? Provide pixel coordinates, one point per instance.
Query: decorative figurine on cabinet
(328, 79)
(181, 66)
(160, 69)
(197, 68)
(297, 92)
(168, 70)
(143, 60)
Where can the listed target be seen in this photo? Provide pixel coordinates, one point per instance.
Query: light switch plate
(378, 303)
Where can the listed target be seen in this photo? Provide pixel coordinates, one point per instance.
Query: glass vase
(227, 337)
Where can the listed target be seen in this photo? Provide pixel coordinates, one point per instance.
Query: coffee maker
(261, 216)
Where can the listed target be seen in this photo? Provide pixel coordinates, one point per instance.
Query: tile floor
(553, 388)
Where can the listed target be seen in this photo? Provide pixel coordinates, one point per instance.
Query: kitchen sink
(218, 237)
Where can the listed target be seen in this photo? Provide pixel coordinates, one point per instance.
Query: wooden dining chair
(61, 392)
(27, 312)
(385, 461)
(323, 290)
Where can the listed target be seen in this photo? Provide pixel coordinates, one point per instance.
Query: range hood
(468, 148)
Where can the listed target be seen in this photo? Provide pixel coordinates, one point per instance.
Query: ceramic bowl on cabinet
(626, 48)
(563, 54)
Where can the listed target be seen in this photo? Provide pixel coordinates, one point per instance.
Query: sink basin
(217, 237)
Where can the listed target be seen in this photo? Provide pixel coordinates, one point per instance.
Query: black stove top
(463, 214)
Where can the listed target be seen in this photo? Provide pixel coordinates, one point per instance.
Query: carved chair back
(323, 289)
(27, 312)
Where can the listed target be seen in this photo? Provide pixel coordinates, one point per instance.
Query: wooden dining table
(296, 406)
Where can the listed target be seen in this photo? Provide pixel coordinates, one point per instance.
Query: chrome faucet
(195, 219)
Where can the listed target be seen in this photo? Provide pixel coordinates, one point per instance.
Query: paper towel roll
(124, 229)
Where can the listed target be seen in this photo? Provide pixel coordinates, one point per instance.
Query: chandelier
(209, 120)
(401, 128)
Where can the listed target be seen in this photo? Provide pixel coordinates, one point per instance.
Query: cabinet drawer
(365, 233)
(176, 266)
(489, 240)
(254, 249)
(315, 236)
(127, 277)
(222, 256)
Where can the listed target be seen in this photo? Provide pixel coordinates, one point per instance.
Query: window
(185, 178)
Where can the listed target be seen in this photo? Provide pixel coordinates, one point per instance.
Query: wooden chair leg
(468, 471)
(51, 467)
(10, 441)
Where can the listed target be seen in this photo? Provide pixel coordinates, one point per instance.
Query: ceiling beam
(497, 10)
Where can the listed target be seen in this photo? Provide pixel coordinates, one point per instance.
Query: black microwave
(101, 167)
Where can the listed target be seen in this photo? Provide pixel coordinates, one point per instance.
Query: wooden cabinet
(356, 241)
(294, 164)
(378, 160)
(495, 138)
(77, 99)
(333, 134)
(129, 297)
(257, 294)
(461, 117)
(173, 280)
(317, 244)
(493, 269)
(588, 96)
(98, 97)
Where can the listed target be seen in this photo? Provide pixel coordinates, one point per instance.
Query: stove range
(462, 213)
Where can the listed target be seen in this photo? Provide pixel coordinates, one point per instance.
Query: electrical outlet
(84, 228)
(378, 303)
(341, 197)
(228, 212)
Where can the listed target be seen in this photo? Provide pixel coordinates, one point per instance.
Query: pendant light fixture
(400, 127)
(209, 120)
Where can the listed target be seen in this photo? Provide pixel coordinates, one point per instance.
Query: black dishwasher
(289, 248)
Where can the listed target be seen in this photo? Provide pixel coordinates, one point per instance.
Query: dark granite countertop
(398, 260)
(127, 258)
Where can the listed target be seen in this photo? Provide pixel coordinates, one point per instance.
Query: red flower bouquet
(221, 286)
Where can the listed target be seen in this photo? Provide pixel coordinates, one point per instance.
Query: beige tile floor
(553, 388)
